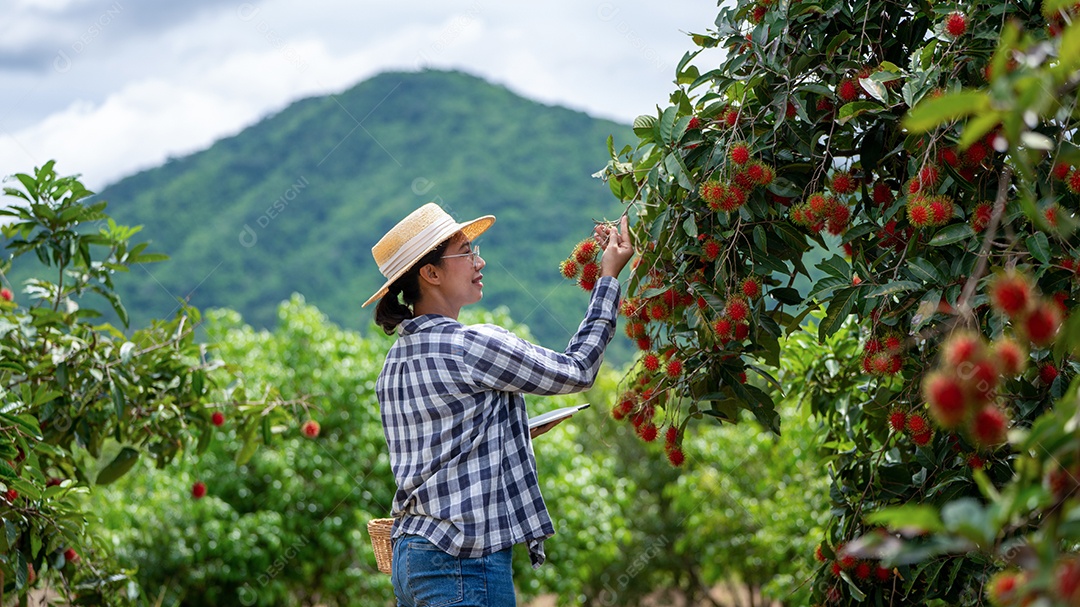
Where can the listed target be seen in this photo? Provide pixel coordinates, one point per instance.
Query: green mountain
(295, 202)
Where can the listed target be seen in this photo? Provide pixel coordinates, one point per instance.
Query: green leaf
(850, 110)
(1069, 52)
(908, 517)
(1039, 247)
(876, 89)
(932, 113)
(667, 125)
(924, 270)
(838, 41)
(837, 312)
(836, 266)
(643, 125)
(118, 400)
(951, 234)
(968, 518)
(250, 444)
(120, 466)
(690, 227)
(896, 286)
(786, 295)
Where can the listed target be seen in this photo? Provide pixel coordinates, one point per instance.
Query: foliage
(289, 528)
(804, 128)
(82, 403)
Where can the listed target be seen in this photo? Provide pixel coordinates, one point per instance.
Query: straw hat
(416, 236)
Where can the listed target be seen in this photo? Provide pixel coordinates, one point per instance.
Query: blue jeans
(425, 576)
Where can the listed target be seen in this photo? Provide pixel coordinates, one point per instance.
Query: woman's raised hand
(617, 247)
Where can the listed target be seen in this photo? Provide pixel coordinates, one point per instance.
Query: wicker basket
(379, 529)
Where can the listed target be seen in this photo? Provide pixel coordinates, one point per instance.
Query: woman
(454, 415)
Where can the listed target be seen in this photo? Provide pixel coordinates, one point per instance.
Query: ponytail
(396, 306)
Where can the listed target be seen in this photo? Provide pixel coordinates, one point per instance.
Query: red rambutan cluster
(820, 211)
(960, 393)
(929, 211)
(1035, 317)
(582, 264)
(882, 355)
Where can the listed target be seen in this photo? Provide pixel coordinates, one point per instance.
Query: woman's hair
(391, 311)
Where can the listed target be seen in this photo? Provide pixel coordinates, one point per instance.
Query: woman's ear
(430, 274)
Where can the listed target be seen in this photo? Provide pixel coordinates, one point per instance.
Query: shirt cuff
(605, 299)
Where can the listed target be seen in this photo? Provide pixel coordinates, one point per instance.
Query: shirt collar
(423, 323)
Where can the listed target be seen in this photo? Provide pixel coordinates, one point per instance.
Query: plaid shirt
(457, 428)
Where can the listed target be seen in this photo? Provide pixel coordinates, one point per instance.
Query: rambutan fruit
(929, 176)
(1010, 356)
(1003, 589)
(673, 369)
(948, 156)
(946, 399)
(976, 154)
(898, 420)
(843, 183)
(919, 213)
(1073, 181)
(916, 424)
(724, 328)
(962, 347)
(941, 210)
(882, 194)
(819, 204)
(988, 427)
(586, 251)
(590, 272)
(848, 90)
(734, 197)
(569, 268)
(980, 216)
(651, 362)
(1048, 373)
(1041, 325)
(739, 153)
(751, 287)
(1010, 293)
(737, 308)
(923, 438)
(658, 310)
(742, 329)
(711, 249)
(713, 192)
(956, 24)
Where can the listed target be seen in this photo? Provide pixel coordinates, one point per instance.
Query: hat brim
(471, 229)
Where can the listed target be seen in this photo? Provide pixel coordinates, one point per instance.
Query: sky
(111, 87)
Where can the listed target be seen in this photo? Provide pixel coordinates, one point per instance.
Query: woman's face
(462, 285)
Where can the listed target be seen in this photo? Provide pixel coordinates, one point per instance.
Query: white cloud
(136, 99)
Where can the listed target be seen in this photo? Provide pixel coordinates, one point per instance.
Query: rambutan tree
(923, 153)
(82, 400)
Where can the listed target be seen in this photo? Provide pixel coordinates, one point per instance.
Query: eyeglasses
(474, 255)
